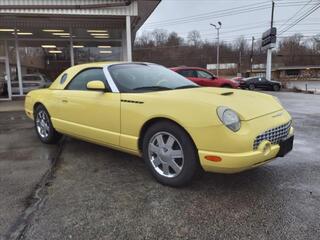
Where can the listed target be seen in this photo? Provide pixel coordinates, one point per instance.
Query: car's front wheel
(44, 127)
(170, 154)
(276, 88)
(251, 86)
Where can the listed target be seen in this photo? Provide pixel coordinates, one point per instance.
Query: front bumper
(238, 162)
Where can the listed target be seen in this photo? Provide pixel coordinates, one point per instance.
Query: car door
(89, 114)
(258, 82)
(266, 84)
(206, 79)
(190, 74)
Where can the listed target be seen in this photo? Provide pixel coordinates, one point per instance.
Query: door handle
(64, 100)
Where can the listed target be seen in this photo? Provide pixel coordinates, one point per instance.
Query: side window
(203, 74)
(255, 80)
(187, 73)
(79, 82)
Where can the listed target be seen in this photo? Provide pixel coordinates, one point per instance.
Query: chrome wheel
(166, 154)
(42, 124)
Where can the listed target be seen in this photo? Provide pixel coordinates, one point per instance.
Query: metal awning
(70, 7)
(75, 13)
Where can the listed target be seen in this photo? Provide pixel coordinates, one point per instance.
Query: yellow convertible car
(148, 110)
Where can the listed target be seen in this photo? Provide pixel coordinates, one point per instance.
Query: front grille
(274, 135)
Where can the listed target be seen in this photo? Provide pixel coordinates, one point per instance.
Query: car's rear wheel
(170, 154)
(276, 88)
(44, 127)
(251, 86)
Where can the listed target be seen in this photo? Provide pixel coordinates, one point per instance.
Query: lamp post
(218, 47)
(251, 56)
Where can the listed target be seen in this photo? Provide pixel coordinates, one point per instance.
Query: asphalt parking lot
(77, 190)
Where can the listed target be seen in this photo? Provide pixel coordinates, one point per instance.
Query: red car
(204, 78)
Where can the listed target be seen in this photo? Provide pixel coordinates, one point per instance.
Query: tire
(174, 171)
(251, 87)
(276, 88)
(43, 126)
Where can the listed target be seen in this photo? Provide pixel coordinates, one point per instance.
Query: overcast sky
(197, 14)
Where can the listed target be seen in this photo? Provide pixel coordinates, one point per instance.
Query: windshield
(147, 77)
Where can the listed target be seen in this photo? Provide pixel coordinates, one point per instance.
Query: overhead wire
(220, 13)
(301, 18)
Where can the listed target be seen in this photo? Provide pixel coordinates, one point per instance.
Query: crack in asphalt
(36, 199)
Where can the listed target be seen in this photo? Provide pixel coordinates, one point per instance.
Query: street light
(218, 32)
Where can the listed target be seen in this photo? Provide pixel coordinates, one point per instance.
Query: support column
(128, 39)
(71, 48)
(18, 62)
(8, 73)
(269, 61)
(124, 46)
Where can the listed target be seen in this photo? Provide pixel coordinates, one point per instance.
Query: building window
(293, 72)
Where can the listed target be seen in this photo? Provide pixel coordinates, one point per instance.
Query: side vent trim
(131, 101)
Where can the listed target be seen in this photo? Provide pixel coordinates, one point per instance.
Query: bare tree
(316, 44)
(241, 44)
(292, 49)
(160, 37)
(171, 50)
(145, 40)
(194, 38)
(174, 40)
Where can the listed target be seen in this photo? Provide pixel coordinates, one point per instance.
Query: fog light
(265, 147)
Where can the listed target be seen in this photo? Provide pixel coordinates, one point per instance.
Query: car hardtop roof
(74, 70)
(106, 63)
(187, 68)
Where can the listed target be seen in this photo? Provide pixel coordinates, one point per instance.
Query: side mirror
(96, 85)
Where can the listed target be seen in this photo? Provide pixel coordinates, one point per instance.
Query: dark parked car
(253, 83)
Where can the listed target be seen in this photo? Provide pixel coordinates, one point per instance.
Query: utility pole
(251, 56)
(269, 53)
(218, 44)
(240, 63)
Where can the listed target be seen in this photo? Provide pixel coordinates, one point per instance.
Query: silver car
(30, 82)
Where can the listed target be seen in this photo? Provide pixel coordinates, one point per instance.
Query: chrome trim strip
(111, 83)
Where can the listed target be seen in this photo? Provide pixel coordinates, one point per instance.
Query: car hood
(247, 104)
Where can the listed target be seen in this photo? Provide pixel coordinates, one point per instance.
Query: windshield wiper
(152, 88)
(187, 86)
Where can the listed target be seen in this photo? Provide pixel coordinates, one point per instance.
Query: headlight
(229, 118)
